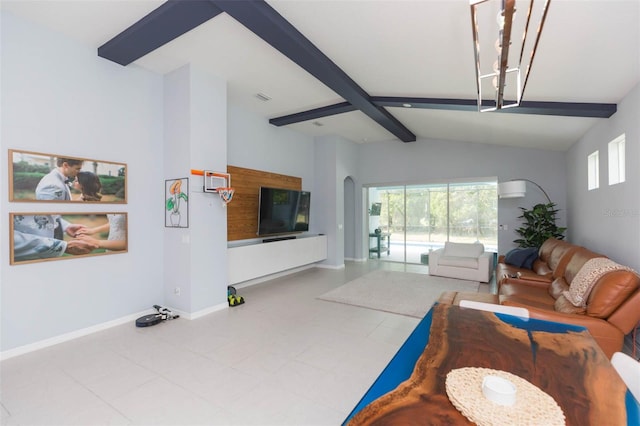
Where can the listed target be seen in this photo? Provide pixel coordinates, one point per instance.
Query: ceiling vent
(263, 97)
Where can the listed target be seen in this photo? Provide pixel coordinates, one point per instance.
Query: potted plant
(539, 224)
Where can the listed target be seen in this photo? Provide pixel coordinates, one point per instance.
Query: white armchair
(463, 261)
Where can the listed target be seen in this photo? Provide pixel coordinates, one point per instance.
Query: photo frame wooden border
(176, 203)
(27, 169)
(48, 236)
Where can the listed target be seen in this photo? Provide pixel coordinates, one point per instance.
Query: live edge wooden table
(562, 360)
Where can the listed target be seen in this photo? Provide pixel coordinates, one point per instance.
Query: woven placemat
(532, 406)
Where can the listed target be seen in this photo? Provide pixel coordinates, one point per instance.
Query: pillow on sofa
(587, 277)
(463, 249)
(522, 257)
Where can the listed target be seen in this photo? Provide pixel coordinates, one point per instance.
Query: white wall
(196, 138)
(434, 161)
(59, 97)
(336, 159)
(607, 220)
(350, 213)
(253, 143)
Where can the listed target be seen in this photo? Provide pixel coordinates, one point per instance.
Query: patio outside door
(389, 203)
(421, 218)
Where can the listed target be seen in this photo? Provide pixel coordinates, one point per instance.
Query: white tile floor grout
(282, 358)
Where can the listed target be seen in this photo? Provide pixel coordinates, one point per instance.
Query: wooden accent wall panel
(242, 211)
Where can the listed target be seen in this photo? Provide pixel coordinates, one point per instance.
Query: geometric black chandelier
(504, 49)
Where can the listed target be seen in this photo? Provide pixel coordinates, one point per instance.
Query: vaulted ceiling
(347, 67)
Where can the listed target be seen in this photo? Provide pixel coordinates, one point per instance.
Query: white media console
(247, 262)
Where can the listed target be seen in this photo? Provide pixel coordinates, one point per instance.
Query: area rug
(397, 292)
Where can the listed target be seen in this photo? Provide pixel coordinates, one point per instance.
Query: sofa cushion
(610, 292)
(463, 249)
(587, 277)
(563, 305)
(557, 287)
(526, 292)
(458, 261)
(541, 268)
(560, 254)
(547, 248)
(544, 305)
(578, 258)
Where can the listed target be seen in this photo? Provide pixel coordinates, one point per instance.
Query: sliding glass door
(415, 219)
(387, 223)
(473, 213)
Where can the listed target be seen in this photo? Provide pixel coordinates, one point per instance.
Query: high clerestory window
(616, 160)
(593, 171)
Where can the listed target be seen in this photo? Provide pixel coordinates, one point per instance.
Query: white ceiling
(589, 52)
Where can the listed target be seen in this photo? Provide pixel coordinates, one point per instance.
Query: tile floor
(282, 358)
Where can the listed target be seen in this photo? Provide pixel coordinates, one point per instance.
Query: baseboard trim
(31, 347)
(270, 277)
(201, 313)
(331, 266)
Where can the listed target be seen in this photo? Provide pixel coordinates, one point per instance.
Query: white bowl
(499, 390)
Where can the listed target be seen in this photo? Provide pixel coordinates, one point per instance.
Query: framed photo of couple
(37, 237)
(39, 177)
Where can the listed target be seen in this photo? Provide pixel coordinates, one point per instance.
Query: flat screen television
(283, 211)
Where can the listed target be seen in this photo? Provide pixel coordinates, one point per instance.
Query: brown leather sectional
(612, 308)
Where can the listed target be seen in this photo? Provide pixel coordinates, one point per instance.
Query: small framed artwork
(35, 176)
(176, 204)
(37, 237)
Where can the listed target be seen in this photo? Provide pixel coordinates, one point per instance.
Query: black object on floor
(153, 319)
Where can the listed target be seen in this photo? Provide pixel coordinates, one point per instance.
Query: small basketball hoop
(226, 194)
(215, 180)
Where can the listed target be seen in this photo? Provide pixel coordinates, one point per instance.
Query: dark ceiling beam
(313, 114)
(426, 103)
(269, 25)
(167, 22)
(564, 109)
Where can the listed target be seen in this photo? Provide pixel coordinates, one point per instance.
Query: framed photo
(35, 176)
(176, 203)
(38, 237)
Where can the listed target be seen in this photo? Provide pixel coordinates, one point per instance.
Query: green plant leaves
(539, 224)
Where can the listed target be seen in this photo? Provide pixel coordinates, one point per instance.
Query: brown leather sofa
(549, 265)
(612, 308)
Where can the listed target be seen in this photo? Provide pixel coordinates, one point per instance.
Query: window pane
(473, 213)
(616, 160)
(593, 172)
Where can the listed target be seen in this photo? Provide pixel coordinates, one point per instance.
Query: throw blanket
(588, 276)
